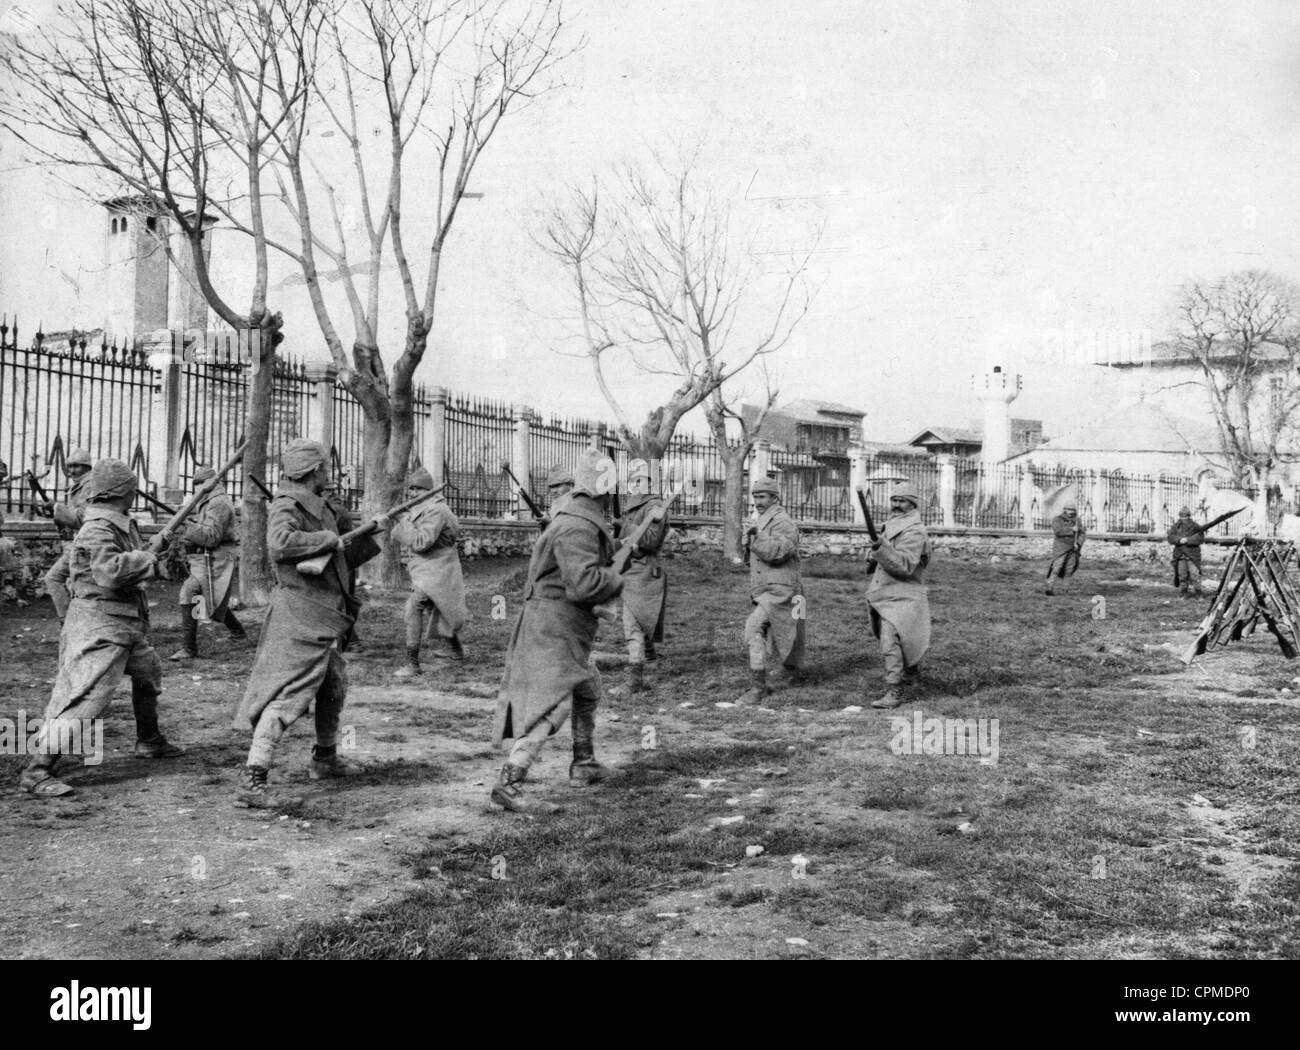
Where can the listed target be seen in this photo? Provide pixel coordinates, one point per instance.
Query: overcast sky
(985, 176)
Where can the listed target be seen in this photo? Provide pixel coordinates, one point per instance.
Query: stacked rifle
(1258, 584)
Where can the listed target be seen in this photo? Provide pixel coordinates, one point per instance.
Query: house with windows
(810, 452)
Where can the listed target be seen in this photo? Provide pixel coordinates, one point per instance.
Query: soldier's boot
(651, 654)
(894, 697)
(189, 649)
(1050, 589)
(252, 793)
(635, 678)
(39, 779)
(326, 764)
(149, 741)
(410, 669)
(795, 676)
(912, 675)
(235, 628)
(584, 770)
(455, 649)
(508, 793)
(757, 688)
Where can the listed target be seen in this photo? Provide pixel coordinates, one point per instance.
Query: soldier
(213, 539)
(548, 670)
(559, 483)
(1187, 536)
(105, 634)
(437, 585)
(68, 516)
(897, 596)
(645, 588)
(308, 626)
(1069, 535)
(775, 629)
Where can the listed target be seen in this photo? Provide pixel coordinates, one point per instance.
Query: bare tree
(170, 106)
(658, 276)
(1243, 330)
(734, 452)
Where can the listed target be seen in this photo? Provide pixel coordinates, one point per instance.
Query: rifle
(47, 504)
(523, 493)
(1222, 517)
(317, 565)
(871, 526)
(178, 519)
(154, 501)
(261, 486)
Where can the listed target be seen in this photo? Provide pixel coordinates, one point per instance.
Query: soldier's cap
(301, 457)
(765, 485)
(1184, 512)
(204, 474)
(1069, 505)
(638, 468)
(559, 475)
(419, 478)
(80, 458)
(906, 490)
(110, 479)
(595, 475)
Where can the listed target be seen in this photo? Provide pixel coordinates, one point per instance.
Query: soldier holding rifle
(437, 584)
(309, 624)
(106, 632)
(1069, 533)
(213, 541)
(69, 517)
(645, 587)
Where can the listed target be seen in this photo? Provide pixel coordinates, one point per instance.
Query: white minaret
(997, 390)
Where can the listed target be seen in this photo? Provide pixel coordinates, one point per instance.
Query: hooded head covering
(204, 474)
(1069, 506)
(764, 485)
(79, 458)
(1184, 512)
(906, 490)
(595, 475)
(110, 479)
(419, 478)
(559, 475)
(301, 457)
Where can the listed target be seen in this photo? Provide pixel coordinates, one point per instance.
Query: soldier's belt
(113, 607)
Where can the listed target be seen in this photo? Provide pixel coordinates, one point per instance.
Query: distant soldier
(775, 629)
(1069, 533)
(559, 483)
(1187, 536)
(213, 540)
(68, 516)
(308, 626)
(429, 531)
(897, 596)
(548, 671)
(105, 634)
(645, 587)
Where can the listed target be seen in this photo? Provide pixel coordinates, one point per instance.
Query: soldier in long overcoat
(645, 585)
(68, 517)
(429, 532)
(106, 631)
(897, 598)
(300, 655)
(774, 631)
(213, 541)
(1068, 535)
(548, 672)
(1187, 536)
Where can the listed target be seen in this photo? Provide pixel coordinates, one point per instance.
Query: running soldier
(308, 626)
(106, 632)
(897, 596)
(68, 516)
(548, 670)
(437, 585)
(213, 541)
(1187, 536)
(775, 629)
(645, 587)
(1069, 533)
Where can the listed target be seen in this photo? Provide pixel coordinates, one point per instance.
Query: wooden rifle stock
(623, 556)
(187, 508)
(315, 566)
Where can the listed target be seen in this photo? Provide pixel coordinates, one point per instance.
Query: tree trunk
(376, 434)
(734, 502)
(255, 577)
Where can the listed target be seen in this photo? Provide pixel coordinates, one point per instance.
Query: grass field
(1133, 807)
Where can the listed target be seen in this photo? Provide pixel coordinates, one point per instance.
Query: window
(124, 224)
(114, 226)
(152, 223)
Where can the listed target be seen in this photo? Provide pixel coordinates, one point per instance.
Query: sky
(1022, 184)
